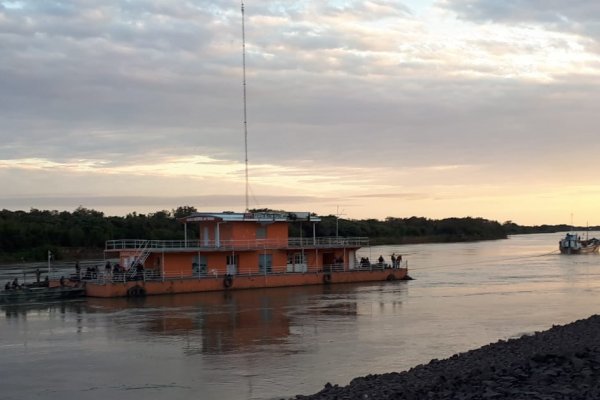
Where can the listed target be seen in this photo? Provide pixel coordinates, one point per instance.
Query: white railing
(95, 272)
(295, 243)
(104, 277)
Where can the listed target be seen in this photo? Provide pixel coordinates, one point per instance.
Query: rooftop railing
(294, 243)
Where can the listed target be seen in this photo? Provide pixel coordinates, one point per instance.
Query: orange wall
(278, 230)
(181, 263)
(244, 230)
(178, 263)
(247, 261)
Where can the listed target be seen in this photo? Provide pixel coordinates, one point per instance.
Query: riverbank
(560, 363)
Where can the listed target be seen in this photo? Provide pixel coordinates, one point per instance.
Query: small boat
(39, 294)
(573, 244)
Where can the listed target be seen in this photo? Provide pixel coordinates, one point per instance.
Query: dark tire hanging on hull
(136, 291)
(228, 281)
(391, 277)
(327, 278)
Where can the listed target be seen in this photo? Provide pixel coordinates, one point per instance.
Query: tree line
(28, 236)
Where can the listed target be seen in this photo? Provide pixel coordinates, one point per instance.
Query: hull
(582, 250)
(39, 295)
(238, 282)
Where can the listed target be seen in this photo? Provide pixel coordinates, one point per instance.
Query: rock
(560, 363)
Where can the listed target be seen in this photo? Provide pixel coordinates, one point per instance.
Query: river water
(275, 343)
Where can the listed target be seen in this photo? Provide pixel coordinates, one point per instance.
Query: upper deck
(235, 245)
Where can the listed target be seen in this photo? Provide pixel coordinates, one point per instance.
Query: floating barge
(235, 251)
(40, 294)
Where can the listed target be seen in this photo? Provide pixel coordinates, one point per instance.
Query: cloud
(147, 202)
(344, 99)
(123, 81)
(579, 16)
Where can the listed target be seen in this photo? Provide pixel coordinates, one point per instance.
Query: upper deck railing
(290, 243)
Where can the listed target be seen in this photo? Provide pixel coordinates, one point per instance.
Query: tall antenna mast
(245, 113)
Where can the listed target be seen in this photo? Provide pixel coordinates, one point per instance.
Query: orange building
(235, 251)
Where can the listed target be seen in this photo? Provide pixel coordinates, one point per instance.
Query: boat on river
(572, 243)
(233, 251)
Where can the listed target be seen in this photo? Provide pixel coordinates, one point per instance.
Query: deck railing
(103, 277)
(293, 243)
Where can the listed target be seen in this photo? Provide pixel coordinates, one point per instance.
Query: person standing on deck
(393, 260)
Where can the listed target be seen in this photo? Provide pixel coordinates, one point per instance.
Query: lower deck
(105, 286)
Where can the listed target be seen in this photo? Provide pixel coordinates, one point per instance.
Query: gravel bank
(560, 363)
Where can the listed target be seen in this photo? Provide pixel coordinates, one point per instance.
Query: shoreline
(562, 362)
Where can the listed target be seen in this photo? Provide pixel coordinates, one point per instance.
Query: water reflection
(21, 311)
(210, 323)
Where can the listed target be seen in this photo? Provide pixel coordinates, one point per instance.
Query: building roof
(266, 216)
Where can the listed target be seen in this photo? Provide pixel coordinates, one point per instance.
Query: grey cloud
(73, 72)
(107, 89)
(299, 9)
(369, 10)
(578, 16)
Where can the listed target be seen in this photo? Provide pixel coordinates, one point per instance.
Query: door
(199, 265)
(265, 263)
(232, 263)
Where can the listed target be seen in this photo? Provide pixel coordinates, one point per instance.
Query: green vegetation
(27, 236)
(408, 230)
(513, 229)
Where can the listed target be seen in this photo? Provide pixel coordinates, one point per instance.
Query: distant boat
(573, 244)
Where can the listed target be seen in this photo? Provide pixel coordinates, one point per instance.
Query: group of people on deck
(93, 272)
(117, 271)
(15, 285)
(396, 261)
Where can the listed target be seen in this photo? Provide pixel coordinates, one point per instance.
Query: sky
(364, 109)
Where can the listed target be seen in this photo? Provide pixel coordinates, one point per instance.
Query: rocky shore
(560, 363)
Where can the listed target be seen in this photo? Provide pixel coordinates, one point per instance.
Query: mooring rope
(483, 262)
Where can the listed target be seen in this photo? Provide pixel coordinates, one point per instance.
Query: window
(232, 260)
(261, 232)
(199, 265)
(299, 258)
